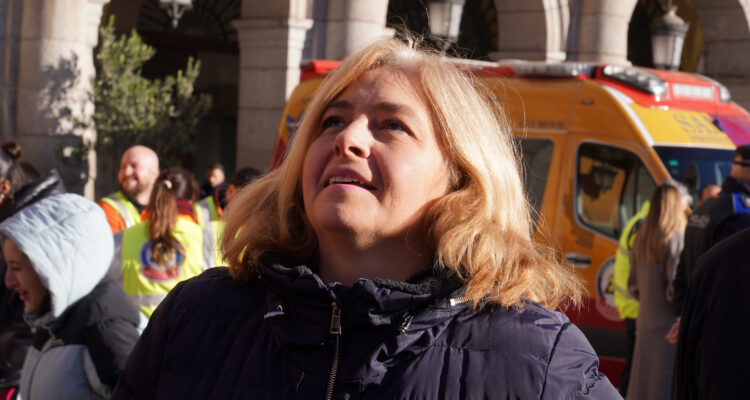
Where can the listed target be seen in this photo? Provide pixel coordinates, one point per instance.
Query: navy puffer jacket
(289, 335)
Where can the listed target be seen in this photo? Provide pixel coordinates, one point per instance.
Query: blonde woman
(655, 255)
(389, 256)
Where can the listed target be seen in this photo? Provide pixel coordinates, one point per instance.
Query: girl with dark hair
(166, 248)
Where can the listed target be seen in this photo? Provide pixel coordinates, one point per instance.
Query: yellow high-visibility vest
(146, 282)
(627, 305)
(120, 203)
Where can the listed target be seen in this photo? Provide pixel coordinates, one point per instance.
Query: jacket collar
(370, 302)
(381, 320)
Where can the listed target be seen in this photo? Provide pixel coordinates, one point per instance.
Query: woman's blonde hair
(481, 229)
(666, 216)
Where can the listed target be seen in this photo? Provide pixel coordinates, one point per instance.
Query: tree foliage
(130, 109)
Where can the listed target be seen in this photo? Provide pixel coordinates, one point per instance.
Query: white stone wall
(726, 31)
(46, 57)
(352, 24)
(601, 30)
(271, 42)
(532, 29)
(10, 28)
(55, 61)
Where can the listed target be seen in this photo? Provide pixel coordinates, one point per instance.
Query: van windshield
(685, 164)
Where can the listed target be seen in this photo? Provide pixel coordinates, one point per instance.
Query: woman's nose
(10, 279)
(354, 140)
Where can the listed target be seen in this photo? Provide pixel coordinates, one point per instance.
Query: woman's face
(21, 277)
(376, 162)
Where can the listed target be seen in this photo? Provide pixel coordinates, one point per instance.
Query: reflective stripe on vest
(208, 245)
(115, 269)
(205, 211)
(124, 208)
(208, 216)
(147, 282)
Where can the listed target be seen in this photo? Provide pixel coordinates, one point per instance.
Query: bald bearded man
(139, 168)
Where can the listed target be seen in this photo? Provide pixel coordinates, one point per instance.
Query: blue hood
(69, 243)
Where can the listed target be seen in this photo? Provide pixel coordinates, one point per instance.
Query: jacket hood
(69, 243)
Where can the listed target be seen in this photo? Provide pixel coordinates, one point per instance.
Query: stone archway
(532, 30)
(204, 33)
(478, 38)
(726, 33)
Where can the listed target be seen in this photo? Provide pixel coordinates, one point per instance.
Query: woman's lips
(348, 180)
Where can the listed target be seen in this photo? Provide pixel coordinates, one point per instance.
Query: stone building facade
(252, 51)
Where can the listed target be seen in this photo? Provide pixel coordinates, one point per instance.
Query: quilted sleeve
(573, 369)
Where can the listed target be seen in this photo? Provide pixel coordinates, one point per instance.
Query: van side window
(611, 185)
(537, 154)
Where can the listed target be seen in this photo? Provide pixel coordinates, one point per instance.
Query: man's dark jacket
(713, 221)
(712, 348)
(279, 336)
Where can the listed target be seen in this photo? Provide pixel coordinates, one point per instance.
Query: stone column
(352, 24)
(10, 28)
(726, 31)
(55, 69)
(600, 30)
(270, 57)
(532, 30)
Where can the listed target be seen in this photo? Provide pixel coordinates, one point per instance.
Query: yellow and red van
(596, 140)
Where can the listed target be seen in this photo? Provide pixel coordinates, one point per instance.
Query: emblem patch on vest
(160, 271)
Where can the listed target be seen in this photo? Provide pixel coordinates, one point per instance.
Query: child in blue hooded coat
(58, 252)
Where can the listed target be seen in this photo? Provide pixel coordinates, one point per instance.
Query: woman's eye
(331, 122)
(394, 125)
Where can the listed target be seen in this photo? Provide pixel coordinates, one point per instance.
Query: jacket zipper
(459, 300)
(336, 331)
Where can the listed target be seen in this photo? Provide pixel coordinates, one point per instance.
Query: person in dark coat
(215, 179)
(714, 220)
(712, 349)
(389, 256)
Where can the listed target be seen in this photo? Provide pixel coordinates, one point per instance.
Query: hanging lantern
(175, 9)
(667, 38)
(445, 18)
